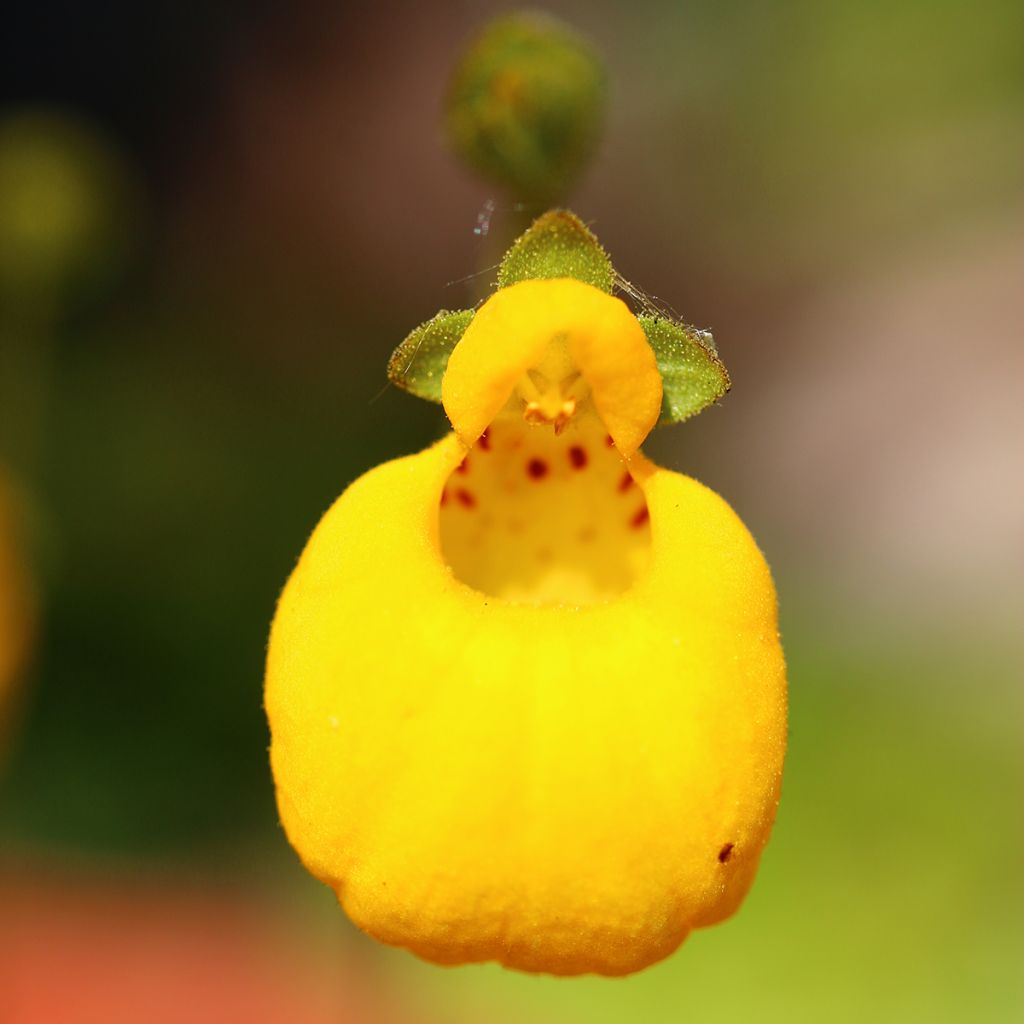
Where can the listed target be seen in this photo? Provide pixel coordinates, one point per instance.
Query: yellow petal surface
(527, 701)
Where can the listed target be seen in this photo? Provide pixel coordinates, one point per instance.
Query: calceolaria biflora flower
(525, 688)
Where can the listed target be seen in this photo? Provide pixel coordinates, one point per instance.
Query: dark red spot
(610, 441)
(577, 456)
(485, 441)
(625, 483)
(466, 499)
(444, 496)
(640, 518)
(537, 469)
(725, 852)
(463, 466)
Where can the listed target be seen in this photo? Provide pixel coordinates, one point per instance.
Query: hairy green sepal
(557, 244)
(692, 375)
(418, 364)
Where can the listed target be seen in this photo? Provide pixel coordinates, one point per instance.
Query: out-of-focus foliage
(64, 198)
(829, 129)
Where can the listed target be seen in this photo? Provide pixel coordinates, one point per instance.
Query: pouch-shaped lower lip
(382, 669)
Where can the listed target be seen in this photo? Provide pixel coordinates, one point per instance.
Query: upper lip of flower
(552, 343)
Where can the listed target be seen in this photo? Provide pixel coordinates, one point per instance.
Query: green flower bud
(526, 105)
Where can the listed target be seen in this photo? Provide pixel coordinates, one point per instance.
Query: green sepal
(418, 364)
(557, 244)
(692, 375)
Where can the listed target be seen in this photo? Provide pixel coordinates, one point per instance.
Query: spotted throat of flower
(526, 693)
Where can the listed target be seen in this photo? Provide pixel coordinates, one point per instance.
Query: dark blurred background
(835, 190)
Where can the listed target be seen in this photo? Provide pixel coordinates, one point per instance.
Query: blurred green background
(257, 204)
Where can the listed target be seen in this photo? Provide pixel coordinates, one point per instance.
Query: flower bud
(526, 105)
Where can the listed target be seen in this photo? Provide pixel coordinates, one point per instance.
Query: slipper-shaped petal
(525, 688)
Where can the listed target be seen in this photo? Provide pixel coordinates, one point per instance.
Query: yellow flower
(16, 608)
(525, 688)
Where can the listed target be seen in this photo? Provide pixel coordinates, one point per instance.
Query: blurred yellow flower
(525, 688)
(16, 606)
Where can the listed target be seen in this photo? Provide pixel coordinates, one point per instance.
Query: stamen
(552, 395)
(547, 412)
